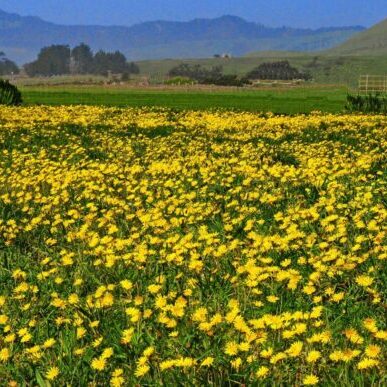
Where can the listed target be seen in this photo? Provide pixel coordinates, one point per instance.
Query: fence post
(367, 83)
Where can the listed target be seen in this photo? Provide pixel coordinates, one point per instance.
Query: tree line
(62, 60)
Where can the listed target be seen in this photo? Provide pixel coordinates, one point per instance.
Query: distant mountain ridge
(22, 37)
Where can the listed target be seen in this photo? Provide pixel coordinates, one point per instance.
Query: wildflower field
(152, 247)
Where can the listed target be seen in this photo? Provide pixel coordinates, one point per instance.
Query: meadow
(149, 246)
(281, 100)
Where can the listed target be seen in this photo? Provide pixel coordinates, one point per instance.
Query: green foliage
(82, 59)
(370, 103)
(9, 94)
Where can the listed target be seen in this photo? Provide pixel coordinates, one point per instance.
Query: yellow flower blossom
(52, 373)
(98, 364)
(310, 380)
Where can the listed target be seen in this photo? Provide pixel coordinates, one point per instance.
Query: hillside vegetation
(370, 42)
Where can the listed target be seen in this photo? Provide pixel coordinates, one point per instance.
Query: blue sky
(295, 13)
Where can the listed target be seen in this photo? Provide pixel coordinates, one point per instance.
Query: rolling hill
(369, 42)
(325, 69)
(22, 37)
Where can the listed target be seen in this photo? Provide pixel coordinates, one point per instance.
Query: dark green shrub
(9, 94)
(370, 103)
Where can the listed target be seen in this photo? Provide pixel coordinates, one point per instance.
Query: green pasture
(282, 101)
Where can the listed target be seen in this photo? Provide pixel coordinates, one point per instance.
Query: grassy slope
(291, 101)
(370, 42)
(346, 70)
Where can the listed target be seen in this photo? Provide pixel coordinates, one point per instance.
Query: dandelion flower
(142, 370)
(367, 363)
(262, 372)
(98, 364)
(364, 280)
(49, 343)
(372, 351)
(231, 348)
(310, 380)
(313, 356)
(52, 373)
(4, 355)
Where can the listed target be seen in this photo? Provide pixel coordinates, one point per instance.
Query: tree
(7, 66)
(133, 68)
(105, 62)
(52, 60)
(81, 59)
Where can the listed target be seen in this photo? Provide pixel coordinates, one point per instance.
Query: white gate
(371, 84)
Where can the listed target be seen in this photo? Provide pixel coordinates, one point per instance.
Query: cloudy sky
(295, 13)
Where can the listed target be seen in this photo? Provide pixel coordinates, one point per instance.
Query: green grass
(290, 101)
